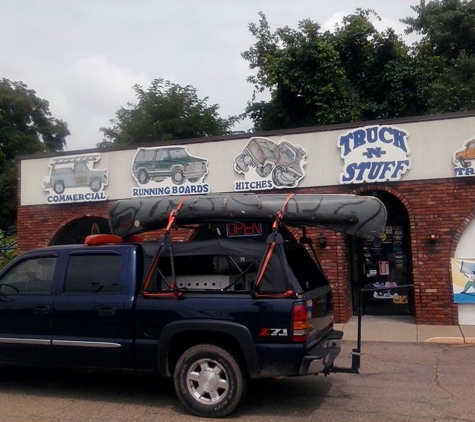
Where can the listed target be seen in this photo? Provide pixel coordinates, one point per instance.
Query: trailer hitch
(356, 353)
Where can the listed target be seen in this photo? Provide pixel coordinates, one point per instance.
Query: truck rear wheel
(142, 177)
(209, 381)
(95, 184)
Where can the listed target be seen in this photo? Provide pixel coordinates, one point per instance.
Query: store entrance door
(384, 264)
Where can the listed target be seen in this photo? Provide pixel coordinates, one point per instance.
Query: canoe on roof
(363, 216)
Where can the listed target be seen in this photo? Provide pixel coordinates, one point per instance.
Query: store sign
(463, 159)
(74, 178)
(266, 165)
(374, 154)
(237, 229)
(170, 170)
(463, 279)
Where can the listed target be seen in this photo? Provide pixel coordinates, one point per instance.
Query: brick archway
(75, 230)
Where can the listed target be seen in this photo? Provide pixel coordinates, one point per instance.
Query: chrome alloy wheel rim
(207, 381)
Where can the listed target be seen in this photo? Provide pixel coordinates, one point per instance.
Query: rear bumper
(320, 358)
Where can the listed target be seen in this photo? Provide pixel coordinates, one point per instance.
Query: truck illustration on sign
(466, 155)
(74, 172)
(283, 161)
(173, 162)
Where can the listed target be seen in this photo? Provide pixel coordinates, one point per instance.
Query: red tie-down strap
(276, 238)
(173, 293)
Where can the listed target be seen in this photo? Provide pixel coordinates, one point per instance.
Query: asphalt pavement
(404, 329)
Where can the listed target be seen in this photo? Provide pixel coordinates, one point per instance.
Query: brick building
(421, 168)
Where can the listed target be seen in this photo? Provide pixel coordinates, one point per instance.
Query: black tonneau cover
(363, 216)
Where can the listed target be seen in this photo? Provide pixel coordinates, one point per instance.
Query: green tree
(314, 78)
(447, 29)
(388, 80)
(304, 75)
(165, 112)
(26, 127)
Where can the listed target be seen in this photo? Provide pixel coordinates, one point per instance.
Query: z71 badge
(269, 332)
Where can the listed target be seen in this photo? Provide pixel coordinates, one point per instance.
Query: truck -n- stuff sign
(374, 154)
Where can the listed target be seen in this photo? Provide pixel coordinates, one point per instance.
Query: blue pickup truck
(236, 302)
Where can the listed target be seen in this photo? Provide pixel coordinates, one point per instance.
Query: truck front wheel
(177, 176)
(58, 187)
(209, 381)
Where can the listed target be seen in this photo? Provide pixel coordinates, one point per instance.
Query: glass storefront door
(384, 264)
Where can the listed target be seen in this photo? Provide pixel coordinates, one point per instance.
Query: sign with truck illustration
(268, 164)
(74, 179)
(158, 164)
(168, 170)
(463, 159)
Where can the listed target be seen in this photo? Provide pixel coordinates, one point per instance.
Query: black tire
(177, 176)
(209, 381)
(59, 187)
(142, 177)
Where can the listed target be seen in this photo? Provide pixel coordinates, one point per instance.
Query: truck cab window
(31, 277)
(93, 274)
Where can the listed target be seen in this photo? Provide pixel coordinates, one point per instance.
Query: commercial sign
(374, 154)
(266, 164)
(75, 179)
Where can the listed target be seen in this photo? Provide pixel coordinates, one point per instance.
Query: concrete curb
(404, 329)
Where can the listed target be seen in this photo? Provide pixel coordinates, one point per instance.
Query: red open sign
(243, 229)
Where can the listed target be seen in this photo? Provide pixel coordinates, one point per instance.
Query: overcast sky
(84, 56)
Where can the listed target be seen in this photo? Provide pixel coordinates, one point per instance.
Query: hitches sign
(374, 154)
(267, 165)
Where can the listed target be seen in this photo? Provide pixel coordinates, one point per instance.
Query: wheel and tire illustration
(464, 163)
(241, 163)
(277, 175)
(95, 184)
(209, 381)
(58, 187)
(177, 176)
(142, 177)
(264, 171)
(193, 179)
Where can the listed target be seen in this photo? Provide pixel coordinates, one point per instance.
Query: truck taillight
(300, 323)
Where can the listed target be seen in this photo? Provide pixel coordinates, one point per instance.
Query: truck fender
(238, 331)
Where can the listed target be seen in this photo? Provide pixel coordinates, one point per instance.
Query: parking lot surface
(398, 382)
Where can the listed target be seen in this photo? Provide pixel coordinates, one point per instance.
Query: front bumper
(320, 358)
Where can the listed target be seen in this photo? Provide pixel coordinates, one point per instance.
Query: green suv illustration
(158, 164)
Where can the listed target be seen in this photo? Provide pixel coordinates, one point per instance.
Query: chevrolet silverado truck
(243, 299)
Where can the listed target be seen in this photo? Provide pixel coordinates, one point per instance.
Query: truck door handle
(42, 310)
(107, 311)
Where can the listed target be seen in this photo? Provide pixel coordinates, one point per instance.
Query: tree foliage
(447, 28)
(26, 127)
(165, 112)
(358, 73)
